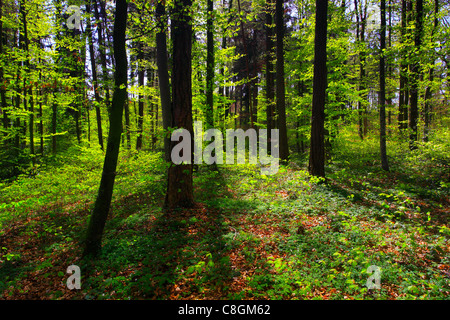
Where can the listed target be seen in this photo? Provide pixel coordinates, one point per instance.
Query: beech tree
(163, 74)
(384, 160)
(179, 180)
(102, 204)
(280, 85)
(416, 74)
(317, 150)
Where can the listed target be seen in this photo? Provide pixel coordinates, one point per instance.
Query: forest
(224, 150)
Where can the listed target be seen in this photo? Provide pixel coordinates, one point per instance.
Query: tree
(141, 74)
(102, 204)
(94, 79)
(210, 65)
(163, 74)
(384, 160)
(179, 179)
(270, 94)
(416, 74)
(403, 91)
(428, 95)
(317, 150)
(280, 87)
(361, 22)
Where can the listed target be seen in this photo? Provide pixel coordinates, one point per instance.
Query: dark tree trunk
(103, 201)
(281, 101)
(28, 90)
(270, 88)
(317, 149)
(416, 75)
(4, 104)
(179, 180)
(384, 160)
(163, 75)
(101, 45)
(210, 66)
(141, 73)
(427, 105)
(361, 17)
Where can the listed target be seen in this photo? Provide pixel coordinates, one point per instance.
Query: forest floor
(285, 236)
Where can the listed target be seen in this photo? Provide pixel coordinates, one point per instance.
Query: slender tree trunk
(4, 104)
(270, 89)
(41, 114)
(141, 73)
(210, 65)
(95, 80)
(427, 106)
(54, 117)
(103, 201)
(317, 150)
(127, 123)
(416, 73)
(163, 75)
(384, 160)
(101, 45)
(403, 95)
(27, 87)
(361, 16)
(179, 181)
(281, 100)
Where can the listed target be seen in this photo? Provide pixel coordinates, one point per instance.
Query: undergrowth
(282, 236)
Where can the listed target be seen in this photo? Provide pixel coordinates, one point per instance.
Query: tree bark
(270, 90)
(210, 66)
(141, 73)
(427, 105)
(317, 149)
(101, 46)
(280, 87)
(102, 204)
(384, 160)
(416, 75)
(403, 91)
(27, 89)
(361, 16)
(4, 104)
(163, 75)
(179, 180)
(95, 80)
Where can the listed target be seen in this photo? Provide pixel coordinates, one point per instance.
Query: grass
(286, 236)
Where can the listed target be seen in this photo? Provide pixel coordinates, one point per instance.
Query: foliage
(242, 241)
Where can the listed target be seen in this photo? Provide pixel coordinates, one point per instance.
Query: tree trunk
(54, 118)
(27, 89)
(141, 73)
(270, 94)
(179, 180)
(101, 49)
(416, 75)
(427, 106)
(127, 123)
(163, 75)
(403, 95)
(281, 100)
(102, 204)
(361, 16)
(384, 160)
(95, 80)
(4, 104)
(317, 149)
(210, 66)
